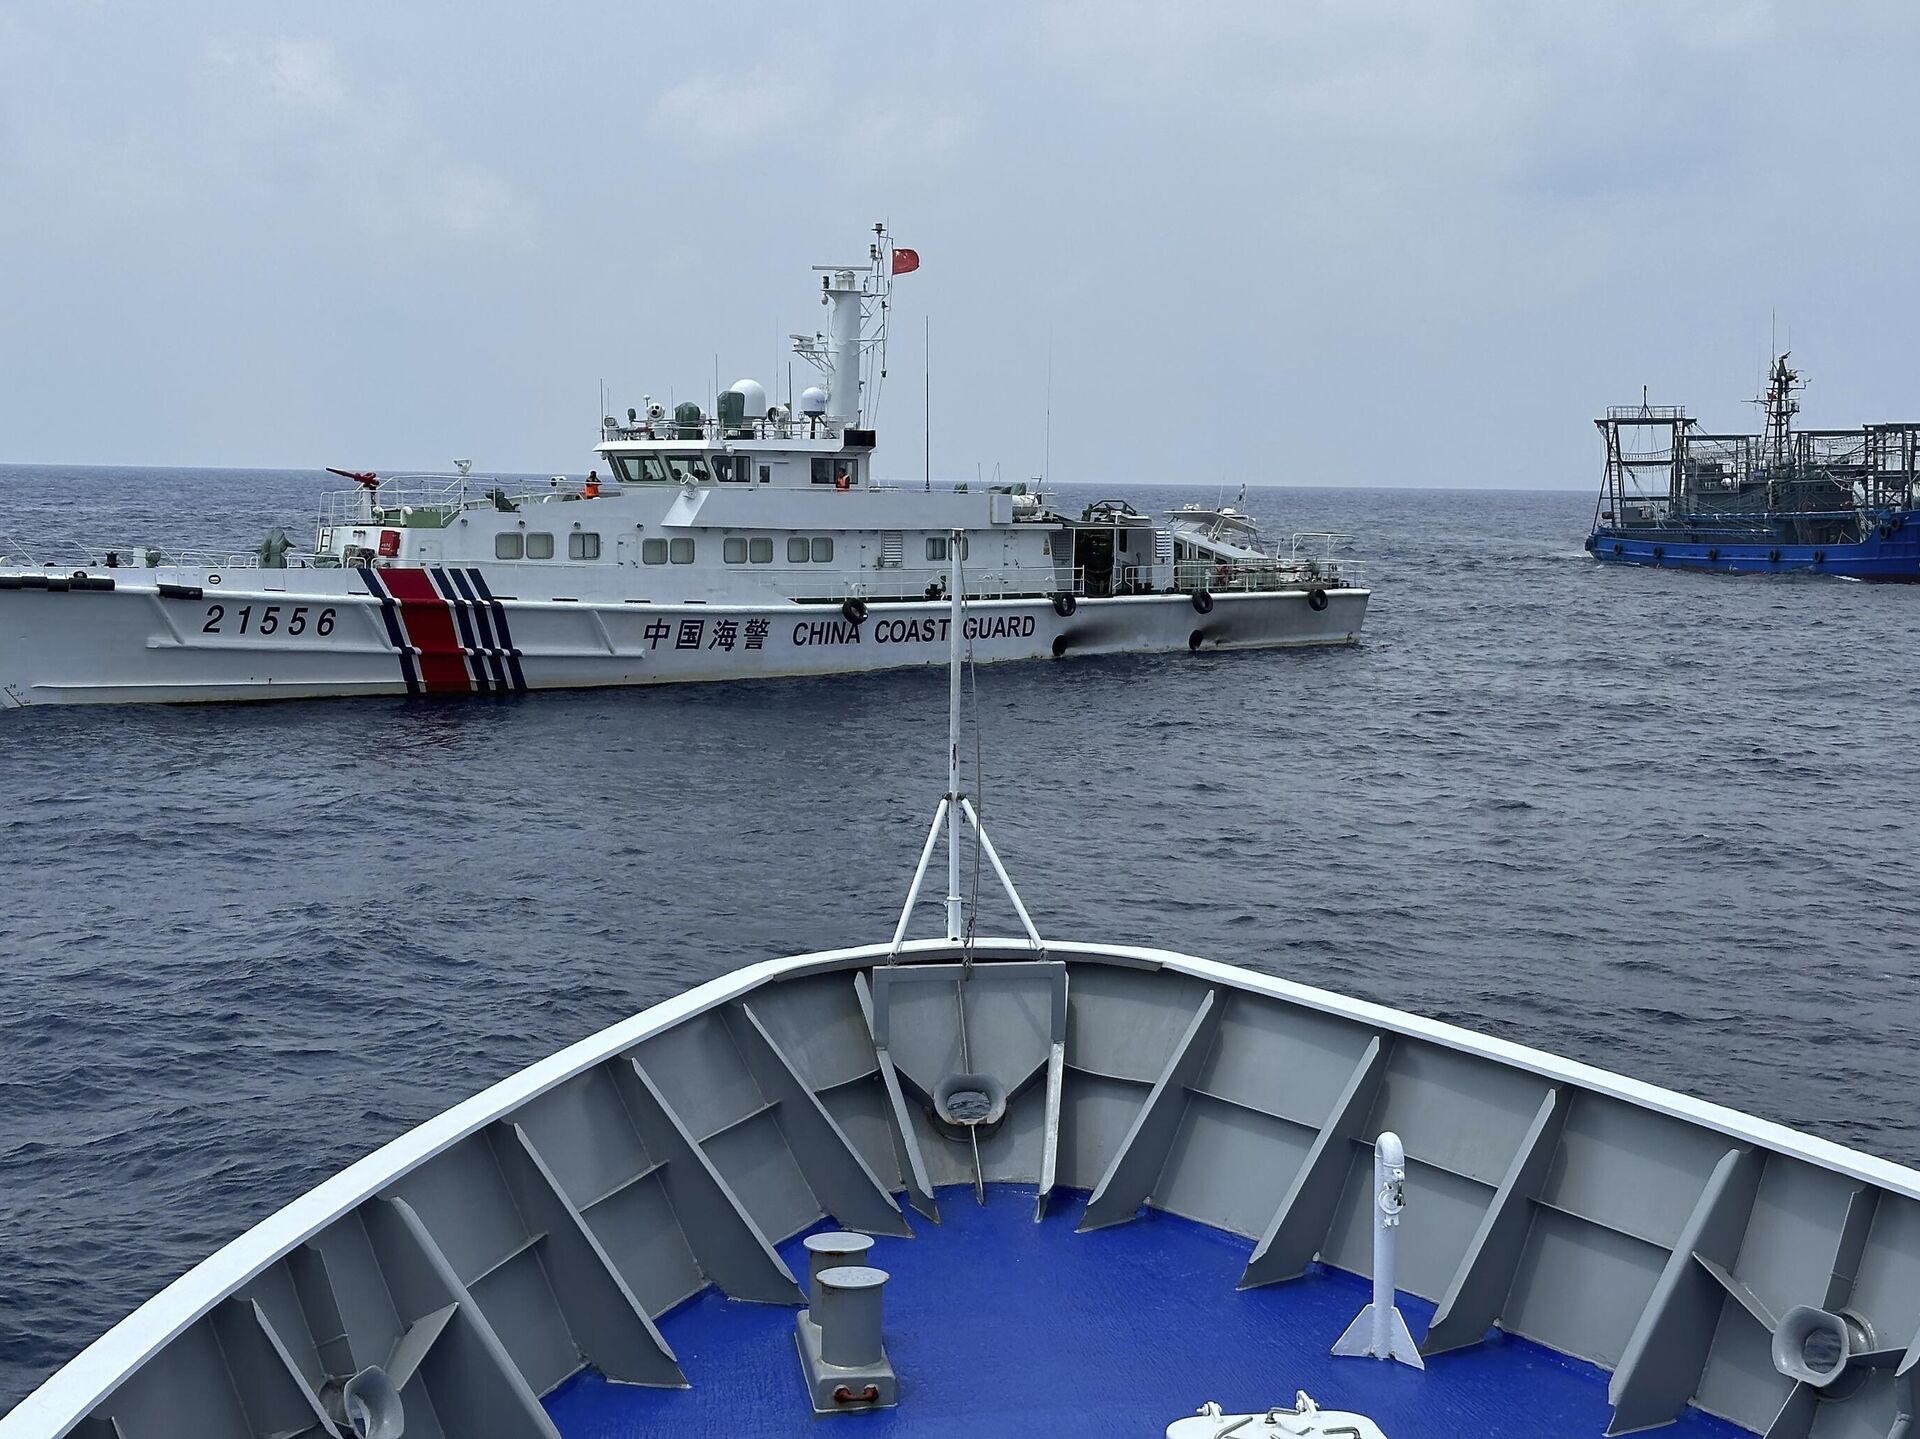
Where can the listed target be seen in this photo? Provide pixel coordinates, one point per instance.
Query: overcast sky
(1349, 241)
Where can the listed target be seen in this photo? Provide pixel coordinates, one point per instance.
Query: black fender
(1059, 646)
(854, 611)
(1064, 605)
(1203, 602)
(1316, 598)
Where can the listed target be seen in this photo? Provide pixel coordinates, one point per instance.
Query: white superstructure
(752, 541)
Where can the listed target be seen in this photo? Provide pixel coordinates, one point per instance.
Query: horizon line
(246, 469)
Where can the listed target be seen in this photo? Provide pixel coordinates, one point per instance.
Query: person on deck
(592, 491)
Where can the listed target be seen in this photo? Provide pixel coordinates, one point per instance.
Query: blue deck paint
(997, 1325)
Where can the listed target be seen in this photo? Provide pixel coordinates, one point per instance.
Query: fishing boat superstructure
(751, 541)
(1093, 1185)
(1833, 502)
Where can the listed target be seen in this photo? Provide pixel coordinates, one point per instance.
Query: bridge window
(822, 470)
(797, 551)
(823, 551)
(680, 551)
(760, 551)
(632, 469)
(687, 467)
(539, 546)
(583, 547)
(733, 550)
(508, 546)
(653, 552)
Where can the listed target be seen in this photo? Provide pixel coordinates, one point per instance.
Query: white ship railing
(404, 499)
(792, 427)
(1232, 576)
(62, 553)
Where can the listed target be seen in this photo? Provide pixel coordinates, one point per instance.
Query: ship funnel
(842, 291)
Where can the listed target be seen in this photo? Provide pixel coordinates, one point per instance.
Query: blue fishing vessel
(1831, 502)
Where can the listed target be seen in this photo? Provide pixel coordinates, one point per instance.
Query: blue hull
(1890, 553)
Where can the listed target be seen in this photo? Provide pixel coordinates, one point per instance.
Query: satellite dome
(813, 401)
(753, 396)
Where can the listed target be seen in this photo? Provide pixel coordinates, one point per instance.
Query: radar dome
(813, 401)
(754, 397)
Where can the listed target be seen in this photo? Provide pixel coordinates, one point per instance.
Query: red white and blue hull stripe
(449, 631)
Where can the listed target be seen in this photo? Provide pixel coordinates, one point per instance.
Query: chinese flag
(905, 262)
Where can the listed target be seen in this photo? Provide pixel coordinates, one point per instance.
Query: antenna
(1046, 454)
(926, 400)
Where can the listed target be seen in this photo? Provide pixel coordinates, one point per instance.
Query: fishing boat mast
(1780, 407)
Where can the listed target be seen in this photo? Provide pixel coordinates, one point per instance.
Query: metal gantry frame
(1661, 463)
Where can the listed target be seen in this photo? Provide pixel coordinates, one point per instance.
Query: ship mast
(1783, 383)
(859, 299)
(954, 805)
(956, 617)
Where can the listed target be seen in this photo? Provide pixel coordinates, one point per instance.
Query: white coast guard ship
(753, 541)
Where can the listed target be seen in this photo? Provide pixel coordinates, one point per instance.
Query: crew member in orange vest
(592, 491)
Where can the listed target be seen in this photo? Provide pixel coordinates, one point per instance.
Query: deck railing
(404, 500)
(61, 553)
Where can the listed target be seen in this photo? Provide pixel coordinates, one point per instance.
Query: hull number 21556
(268, 620)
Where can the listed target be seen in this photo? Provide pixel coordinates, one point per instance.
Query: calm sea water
(1655, 821)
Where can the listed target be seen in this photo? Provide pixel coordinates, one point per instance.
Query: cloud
(289, 115)
(732, 108)
(471, 201)
(296, 72)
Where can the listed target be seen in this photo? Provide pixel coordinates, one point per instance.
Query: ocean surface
(1656, 821)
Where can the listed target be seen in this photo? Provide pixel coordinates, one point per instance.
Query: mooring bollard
(839, 1334)
(833, 1251)
(847, 1306)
